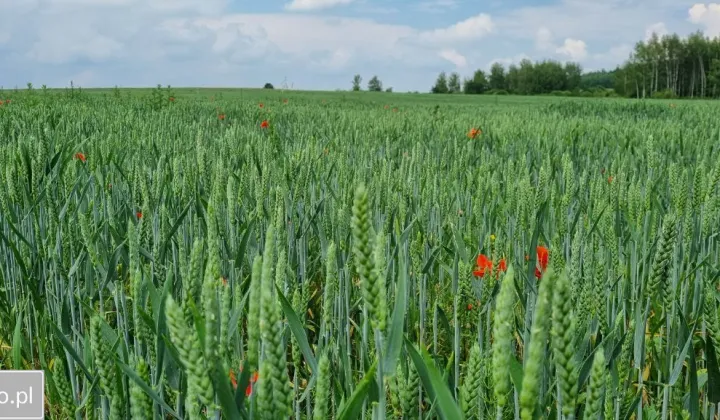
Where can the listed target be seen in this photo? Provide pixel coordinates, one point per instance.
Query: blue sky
(318, 44)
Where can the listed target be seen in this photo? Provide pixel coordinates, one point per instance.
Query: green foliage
(535, 361)
(598, 79)
(502, 333)
(669, 66)
(453, 83)
(441, 84)
(374, 85)
(661, 67)
(478, 83)
(148, 276)
(357, 79)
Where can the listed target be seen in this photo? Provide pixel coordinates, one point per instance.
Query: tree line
(374, 84)
(667, 66)
(527, 78)
(671, 66)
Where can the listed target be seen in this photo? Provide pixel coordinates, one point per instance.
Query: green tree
(598, 79)
(573, 76)
(497, 77)
(714, 76)
(375, 85)
(548, 76)
(670, 66)
(357, 80)
(453, 83)
(441, 84)
(526, 80)
(512, 80)
(477, 84)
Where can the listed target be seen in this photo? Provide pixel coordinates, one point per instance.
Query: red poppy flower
(80, 157)
(542, 261)
(261, 105)
(474, 132)
(502, 265)
(610, 180)
(233, 379)
(483, 264)
(225, 281)
(285, 101)
(221, 117)
(470, 307)
(253, 379)
(264, 124)
(171, 99)
(139, 215)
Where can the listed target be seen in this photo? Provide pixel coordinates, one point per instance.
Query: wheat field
(173, 254)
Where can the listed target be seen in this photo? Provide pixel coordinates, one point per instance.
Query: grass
(362, 256)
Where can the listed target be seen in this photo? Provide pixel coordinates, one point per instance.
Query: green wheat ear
(322, 393)
(253, 323)
(190, 350)
(563, 344)
(596, 387)
(410, 392)
(536, 354)
(140, 403)
(275, 396)
(502, 353)
(471, 388)
(710, 316)
(103, 357)
(329, 290)
(661, 262)
(367, 264)
(379, 288)
(106, 368)
(63, 386)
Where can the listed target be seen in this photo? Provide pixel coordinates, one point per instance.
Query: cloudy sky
(318, 44)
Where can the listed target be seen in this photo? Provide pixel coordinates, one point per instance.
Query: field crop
(306, 256)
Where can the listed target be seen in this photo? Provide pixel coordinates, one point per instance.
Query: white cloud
(437, 6)
(469, 29)
(507, 61)
(658, 28)
(320, 35)
(454, 57)
(576, 49)
(543, 39)
(203, 42)
(94, 48)
(607, 21)
(617, 53)
(315, 4)
(707, 16)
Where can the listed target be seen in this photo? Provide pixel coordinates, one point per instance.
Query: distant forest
(667, 66)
